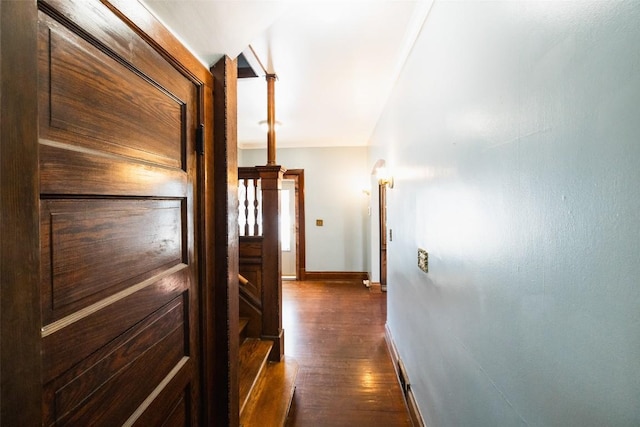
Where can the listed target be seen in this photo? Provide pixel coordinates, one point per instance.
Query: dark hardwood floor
(335, 330)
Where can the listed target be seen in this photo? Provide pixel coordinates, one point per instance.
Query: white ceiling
(336, 60)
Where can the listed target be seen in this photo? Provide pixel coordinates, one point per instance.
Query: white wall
(514, 136)
(334, 180)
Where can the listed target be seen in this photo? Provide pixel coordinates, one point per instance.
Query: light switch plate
(423, 260)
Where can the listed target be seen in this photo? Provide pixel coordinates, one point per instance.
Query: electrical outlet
(423, 260)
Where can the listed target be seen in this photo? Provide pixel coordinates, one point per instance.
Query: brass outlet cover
(423, 260)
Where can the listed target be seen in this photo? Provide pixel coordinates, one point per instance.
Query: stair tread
(252, 359)
(272, 396)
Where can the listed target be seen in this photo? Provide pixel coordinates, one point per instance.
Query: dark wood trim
(271, 182)
(223, 394)
(335, 275)
(249, 172)
(207, 260)
(403, 380)
(301, 258)
(20, 366)
(136, 15)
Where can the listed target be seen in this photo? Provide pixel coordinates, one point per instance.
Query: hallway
(335, 330)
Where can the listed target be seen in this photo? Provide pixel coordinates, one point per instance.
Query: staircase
(266, 388)
(266, 377)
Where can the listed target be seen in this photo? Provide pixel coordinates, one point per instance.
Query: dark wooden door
(117, 168)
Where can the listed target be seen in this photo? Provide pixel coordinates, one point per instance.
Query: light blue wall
(334, 180)
(514, 137)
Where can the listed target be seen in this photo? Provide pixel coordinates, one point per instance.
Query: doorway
(288, 229)
(293, 228)
(382, 198)
(380, 182)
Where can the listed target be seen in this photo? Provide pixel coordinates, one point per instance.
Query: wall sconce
(264, 124)
(384, 177)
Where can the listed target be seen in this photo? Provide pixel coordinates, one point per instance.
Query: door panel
(104, 325)
(117, 224)
(64, 167)
(88, 253)
(105, 389)
(99, 101)
(123, 103)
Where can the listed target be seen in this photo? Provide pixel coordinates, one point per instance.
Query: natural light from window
(285, 221)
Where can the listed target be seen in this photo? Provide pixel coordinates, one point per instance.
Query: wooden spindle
(256, 204)
(246, 206)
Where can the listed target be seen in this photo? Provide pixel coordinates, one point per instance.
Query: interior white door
(288, 228)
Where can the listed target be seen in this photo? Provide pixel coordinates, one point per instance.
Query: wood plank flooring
(335, 330)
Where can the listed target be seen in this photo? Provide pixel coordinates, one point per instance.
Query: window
(285, 220)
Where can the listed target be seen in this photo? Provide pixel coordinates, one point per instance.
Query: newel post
(271, 182)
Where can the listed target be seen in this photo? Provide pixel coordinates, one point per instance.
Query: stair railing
(260, 258)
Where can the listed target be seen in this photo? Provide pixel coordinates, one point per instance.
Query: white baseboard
(403, 379)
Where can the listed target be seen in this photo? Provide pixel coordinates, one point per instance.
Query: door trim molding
(20, 367)
(297, 175)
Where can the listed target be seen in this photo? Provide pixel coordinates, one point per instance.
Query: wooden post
(271, 179)
(20, 321)
(271, 120)
(220, 328)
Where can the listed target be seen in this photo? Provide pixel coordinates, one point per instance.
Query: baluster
(256, 224)
(245, 182)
